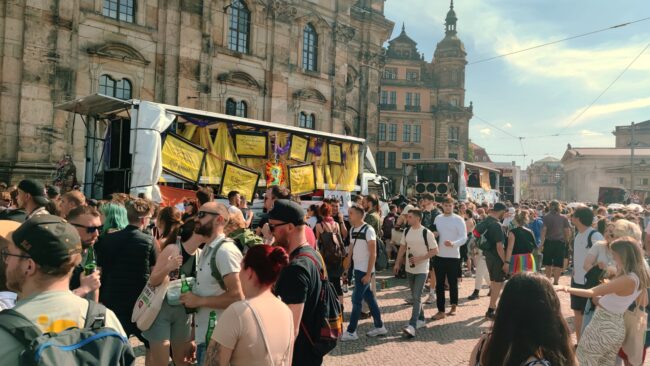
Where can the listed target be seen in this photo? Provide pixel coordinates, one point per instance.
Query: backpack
(480, 238)
(92, 345)
(213, 262)
(328, 309)
(331, 247)
(381, 259)
(387, 226)
(594, 276)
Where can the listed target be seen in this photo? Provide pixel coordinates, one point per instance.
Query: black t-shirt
(524, 240)
(300, 283)
(494, 232)
(428, 219)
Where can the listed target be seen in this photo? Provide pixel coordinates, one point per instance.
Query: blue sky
(540, 92)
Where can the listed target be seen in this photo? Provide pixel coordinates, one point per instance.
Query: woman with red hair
(257, 331)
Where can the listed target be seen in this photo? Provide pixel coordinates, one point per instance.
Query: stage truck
(450, 177)
(164, 152)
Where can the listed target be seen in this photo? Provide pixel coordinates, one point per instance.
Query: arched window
(235, 108)
(309, 48)
(307, 120)
(115, 88)
(240, 17)
(242, 109)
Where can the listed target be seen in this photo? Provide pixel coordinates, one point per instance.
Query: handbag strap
(266, 343)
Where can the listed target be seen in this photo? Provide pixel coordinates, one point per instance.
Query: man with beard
(126, 258)
(39, 263)
(211, 293)
(299, 284)
(31, 198)
(88, 223)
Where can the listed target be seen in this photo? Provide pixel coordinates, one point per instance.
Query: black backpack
(331, 247)
(329, 310)
(92, 345)
(424, 236)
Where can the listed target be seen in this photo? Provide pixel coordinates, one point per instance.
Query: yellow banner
(335, 155)
(181, 158)
(250, 144)
(302, 179)
(237, 178)
(298, 148)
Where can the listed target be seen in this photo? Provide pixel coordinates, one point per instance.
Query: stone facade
(185, 53)
(641, 135)
(423, 113)
(544, 179)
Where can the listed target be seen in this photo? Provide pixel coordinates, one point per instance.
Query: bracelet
(507, 262)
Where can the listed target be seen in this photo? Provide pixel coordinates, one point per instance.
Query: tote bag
(148, 304)
(636, 322)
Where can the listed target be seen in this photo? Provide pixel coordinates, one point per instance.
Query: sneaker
(474, 295)
(490, 314)
(420, 324)
(439, 316)
(409, 331)
(377, 332)
(431, 299)
(347, 336)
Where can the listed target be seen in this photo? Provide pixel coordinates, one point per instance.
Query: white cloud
(600, 110)
(485, 132)
(507, 125)
(590, 133)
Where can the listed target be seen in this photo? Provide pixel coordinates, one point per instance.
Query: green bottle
(91, 264)
(211, 323)
(185, 287)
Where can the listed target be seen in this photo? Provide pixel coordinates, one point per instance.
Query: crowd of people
(245, 290)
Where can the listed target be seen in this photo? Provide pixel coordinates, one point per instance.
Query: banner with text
(182, 158)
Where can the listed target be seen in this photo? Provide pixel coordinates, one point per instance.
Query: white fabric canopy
(148, 121)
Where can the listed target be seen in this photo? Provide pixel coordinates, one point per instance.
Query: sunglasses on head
(89, 229)
(202, 214)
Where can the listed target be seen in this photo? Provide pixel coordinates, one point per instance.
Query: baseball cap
(49, 240)
(35, 189)
(499, 207)
(287, 211)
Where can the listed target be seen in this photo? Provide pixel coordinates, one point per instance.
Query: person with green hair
(115, 218)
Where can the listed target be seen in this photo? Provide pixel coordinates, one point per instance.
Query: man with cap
(31, 198)
(299, 284)
(495, 256)
(208, 294)
(39, 262)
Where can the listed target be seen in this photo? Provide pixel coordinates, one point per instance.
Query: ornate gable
(118, 51)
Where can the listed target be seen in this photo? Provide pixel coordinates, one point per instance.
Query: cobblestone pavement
(447, 342)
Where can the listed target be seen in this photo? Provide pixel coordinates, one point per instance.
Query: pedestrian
(88, 224)
(191, 207)
(418, 245)
(452, 235)
(363, 251)
(70, 201)
(233, 202)
(605, 334)
(328, 225)
(556, 233)
(247, 213)
(586, 236)
(495, 256)
(31, 198)
(39, 262)
(7, 297)
(299, 284)
(217, 281)
(387, 230)
(429, 213)
(470, 225)
(114, 218)
(259, 330)
(126, 258)
(172, 328)
(521, 244)
(517, 337)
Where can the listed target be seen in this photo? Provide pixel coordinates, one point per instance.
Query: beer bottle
(409, 259)
(185, 287)
(211, 323)
(91, 264)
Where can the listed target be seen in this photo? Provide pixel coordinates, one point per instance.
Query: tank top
(618, 304)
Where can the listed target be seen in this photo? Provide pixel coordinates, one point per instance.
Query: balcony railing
(412, 108)
(388, 107)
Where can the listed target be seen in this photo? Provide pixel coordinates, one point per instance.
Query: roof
(602, 152)
(402, 38)
(95, 104)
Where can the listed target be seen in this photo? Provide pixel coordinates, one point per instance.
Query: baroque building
(314, 64)
(423, 114)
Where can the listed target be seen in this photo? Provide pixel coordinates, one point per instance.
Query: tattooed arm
(217, 355)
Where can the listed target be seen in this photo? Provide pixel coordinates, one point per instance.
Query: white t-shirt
(601, 251)
(360, 253)
(416, 246)
(228, 261)
(450, 228)
(232, 209)
(580, 251)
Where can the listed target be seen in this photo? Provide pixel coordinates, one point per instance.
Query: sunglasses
(272, 226)
(202, 214)
(89, 229)
(4, 253)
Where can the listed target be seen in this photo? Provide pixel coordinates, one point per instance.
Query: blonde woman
(521, 244)
(605, 334)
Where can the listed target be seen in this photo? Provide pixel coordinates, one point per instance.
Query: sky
(544, 91)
